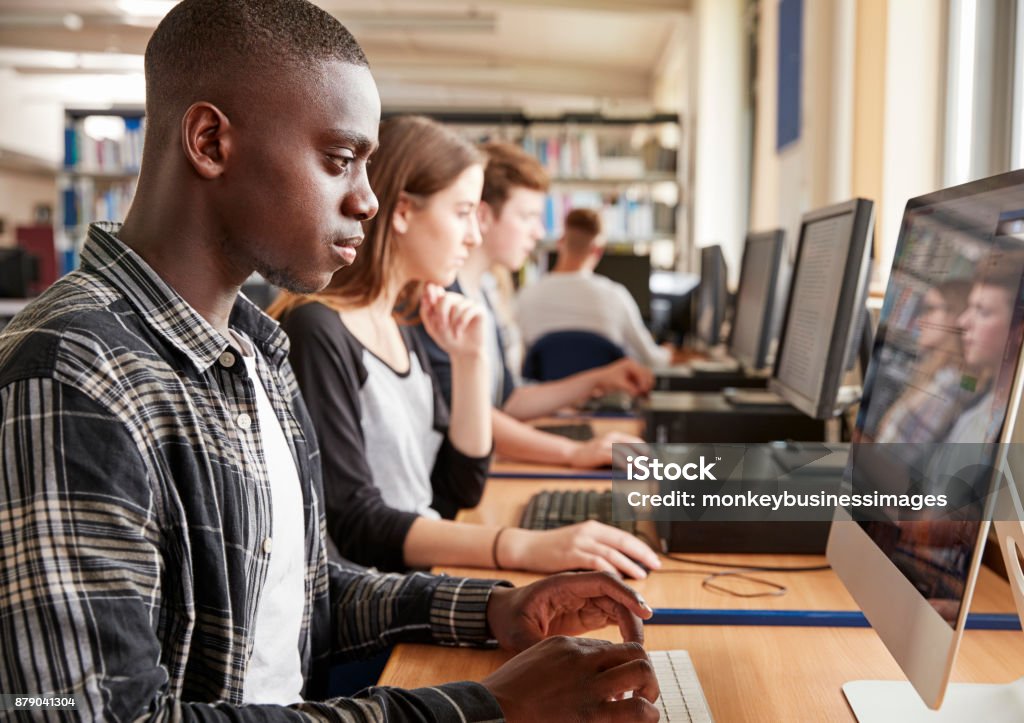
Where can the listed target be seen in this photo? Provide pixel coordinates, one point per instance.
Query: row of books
(87, 154)
(83, 203)
(580, 155)
(623, 217)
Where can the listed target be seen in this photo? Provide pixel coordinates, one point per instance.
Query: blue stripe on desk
(568, 474)
(807, 618)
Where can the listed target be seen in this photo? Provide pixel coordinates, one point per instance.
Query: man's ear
(485, 217)
(207, 137)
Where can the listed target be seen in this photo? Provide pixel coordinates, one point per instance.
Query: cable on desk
(735, 571)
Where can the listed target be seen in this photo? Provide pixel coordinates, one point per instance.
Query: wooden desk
(765, 674)
(678, 585)
(748, 673)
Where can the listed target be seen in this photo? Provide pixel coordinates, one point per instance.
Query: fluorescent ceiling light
(30, 60)
(146, 8)
(438, 22)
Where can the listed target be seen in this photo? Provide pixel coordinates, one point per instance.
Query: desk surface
(751, 673)
(748, 673)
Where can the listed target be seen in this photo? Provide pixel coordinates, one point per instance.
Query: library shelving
(626, 168)
(102, 154)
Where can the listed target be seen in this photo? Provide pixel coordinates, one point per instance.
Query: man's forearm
(517, 440)
(539, 400)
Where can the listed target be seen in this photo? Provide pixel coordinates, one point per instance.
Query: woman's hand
(583, 546)
(456, 323)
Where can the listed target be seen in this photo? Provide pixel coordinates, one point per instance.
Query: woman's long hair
(417, 157)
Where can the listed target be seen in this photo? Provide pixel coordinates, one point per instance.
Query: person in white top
(573, 298)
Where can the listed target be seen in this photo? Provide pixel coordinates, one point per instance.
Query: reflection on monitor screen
(712, 295)
(943, 365)
(752, 325)
(937, 396)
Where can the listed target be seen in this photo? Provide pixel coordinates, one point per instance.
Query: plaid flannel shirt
(135, 517)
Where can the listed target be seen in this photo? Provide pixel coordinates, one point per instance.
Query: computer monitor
(943, 385)
(632, 271)
(18, 271)
(828, 292)
(712, 296)
(753, 326)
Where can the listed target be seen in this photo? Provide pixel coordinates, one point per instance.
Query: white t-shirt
(274, 674)
(398, 417)
(584, 301)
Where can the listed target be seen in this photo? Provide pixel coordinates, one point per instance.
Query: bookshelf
(102, 155)
(627, 168)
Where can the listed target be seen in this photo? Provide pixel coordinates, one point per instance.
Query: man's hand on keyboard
(576, 679)
(624, 375)
(568, 604)
(587, 545)
(597, 452)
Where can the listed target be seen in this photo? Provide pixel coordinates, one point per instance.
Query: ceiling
(559, 55)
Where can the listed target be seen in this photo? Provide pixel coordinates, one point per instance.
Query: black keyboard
(577, 432)
(558, 508)
(618, 402)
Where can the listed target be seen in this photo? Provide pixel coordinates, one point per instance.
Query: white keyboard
(682, 698)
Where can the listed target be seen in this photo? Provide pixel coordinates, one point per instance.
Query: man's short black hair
(202, 43)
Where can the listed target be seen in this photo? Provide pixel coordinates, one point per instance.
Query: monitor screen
(828, 290)
(942, 367)
(632, 271)
(712, 296)
(936, 396)
(752, 327)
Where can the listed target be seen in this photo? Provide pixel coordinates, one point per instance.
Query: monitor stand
(882, 701)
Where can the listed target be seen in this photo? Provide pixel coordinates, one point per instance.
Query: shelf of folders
(627, 173)
(102, 155)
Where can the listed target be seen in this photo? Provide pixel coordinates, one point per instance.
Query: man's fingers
(595, 584)
(636, 676)
(630, 627)
(630, 710)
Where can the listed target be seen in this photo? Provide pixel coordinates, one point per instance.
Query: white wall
(19, 194)
(719, 195)
(820, 168)
(32, 116)
(30, 123)
(814, 170)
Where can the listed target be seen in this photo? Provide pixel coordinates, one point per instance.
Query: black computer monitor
(632, 271)
(753, 326)
(18, 270)
(829, 290)
(712, 296)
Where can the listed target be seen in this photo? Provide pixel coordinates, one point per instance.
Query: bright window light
(964, 112)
